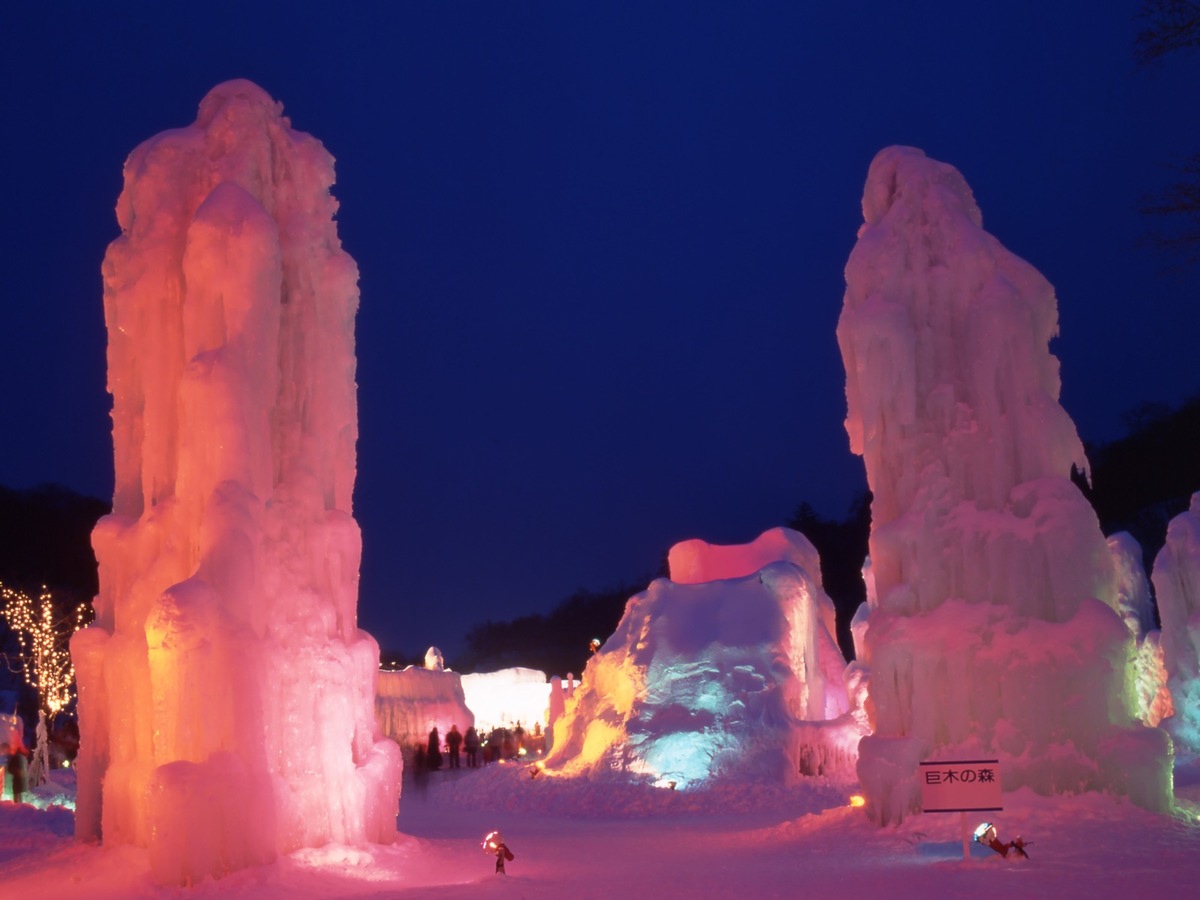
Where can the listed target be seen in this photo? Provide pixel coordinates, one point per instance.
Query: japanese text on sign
(965, 785)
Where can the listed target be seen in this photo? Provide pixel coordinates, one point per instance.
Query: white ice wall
(952, 399)
(508, 697)
(226, 693)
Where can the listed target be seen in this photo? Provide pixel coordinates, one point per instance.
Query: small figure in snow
(471, 745)
(453, 742)
(494, 843)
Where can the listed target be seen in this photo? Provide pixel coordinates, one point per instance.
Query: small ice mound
(730, 678)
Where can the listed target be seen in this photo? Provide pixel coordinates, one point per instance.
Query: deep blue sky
(601, 248)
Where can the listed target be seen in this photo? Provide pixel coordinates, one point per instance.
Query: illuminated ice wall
(226, 692)
(729, 668)
(993, 625)
(508, 697)
(415, 700)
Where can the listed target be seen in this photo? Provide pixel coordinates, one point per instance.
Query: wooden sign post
(961, 786)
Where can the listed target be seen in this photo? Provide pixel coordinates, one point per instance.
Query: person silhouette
(14, 761)
(453, 742)
(433, 750)
(471, 745)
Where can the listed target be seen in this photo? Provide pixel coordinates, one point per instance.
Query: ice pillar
(226, 692)
(991, 626)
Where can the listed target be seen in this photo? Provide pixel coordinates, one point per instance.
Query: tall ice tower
(226, 692)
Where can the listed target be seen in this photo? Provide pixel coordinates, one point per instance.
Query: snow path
(661, 845)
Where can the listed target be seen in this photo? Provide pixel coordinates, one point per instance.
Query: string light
(44, 640)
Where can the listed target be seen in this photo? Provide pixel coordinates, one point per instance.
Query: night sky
(601, 248)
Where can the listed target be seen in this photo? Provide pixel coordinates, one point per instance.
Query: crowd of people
(499, 744)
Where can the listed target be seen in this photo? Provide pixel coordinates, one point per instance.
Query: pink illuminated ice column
(991, 627)
(226, 692)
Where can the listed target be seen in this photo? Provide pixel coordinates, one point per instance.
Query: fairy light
(44, 639)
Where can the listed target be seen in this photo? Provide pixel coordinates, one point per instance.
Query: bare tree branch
(1171, 25)
(1178, 208)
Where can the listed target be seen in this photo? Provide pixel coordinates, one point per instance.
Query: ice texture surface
(226, 692)
(995, 617)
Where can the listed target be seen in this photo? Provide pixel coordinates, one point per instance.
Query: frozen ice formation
(992, 626)
(697, 561)
(736, 676)
(1133, 603)
(226, 692)
(1176, 577)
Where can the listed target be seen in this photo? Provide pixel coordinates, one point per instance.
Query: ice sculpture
(1176, 577)
(703, 679)
(991, 627)
(226, 692)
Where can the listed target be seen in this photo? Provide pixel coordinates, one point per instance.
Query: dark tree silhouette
(1173, 26)
(1142, 481)
(46, 539)
(555, 643)
(843, 548)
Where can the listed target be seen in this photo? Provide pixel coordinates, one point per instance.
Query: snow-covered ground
(585, 838)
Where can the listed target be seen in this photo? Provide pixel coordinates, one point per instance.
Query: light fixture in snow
(494, 845)
(857, 800)
(986, 834)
